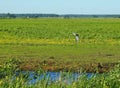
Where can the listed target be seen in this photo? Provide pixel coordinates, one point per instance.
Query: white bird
(76, 36)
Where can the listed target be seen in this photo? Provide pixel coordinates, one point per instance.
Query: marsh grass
(105, 80)
(35, 41)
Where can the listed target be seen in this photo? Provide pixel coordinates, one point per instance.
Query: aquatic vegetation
(105, 80)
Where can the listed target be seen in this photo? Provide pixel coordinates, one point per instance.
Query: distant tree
(36, 16)
(95, 16)
(66, 16)
(10, 15)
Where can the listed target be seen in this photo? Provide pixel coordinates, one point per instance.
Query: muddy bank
(69, 66)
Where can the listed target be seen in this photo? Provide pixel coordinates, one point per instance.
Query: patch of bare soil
(51, 65)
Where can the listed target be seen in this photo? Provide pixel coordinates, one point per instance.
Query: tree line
(9, 15)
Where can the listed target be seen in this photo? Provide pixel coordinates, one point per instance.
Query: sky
(61, 6)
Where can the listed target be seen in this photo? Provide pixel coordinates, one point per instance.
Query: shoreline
(89, 68)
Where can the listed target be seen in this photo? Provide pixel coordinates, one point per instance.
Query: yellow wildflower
(1, 82)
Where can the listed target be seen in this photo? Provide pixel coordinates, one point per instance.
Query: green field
(49, 43)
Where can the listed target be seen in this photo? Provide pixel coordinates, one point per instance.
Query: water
(54, 77)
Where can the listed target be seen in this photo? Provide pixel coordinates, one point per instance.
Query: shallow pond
(54, 76)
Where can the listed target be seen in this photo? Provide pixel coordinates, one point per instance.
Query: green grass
(85, 53)
(50, 40)
(56, 28)
(48, 44)
(61, 56)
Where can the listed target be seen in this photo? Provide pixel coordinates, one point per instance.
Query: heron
(76, 36)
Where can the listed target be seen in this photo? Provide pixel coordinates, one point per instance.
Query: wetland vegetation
(48, 44)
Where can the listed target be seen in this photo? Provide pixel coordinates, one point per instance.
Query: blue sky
(61, 6)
